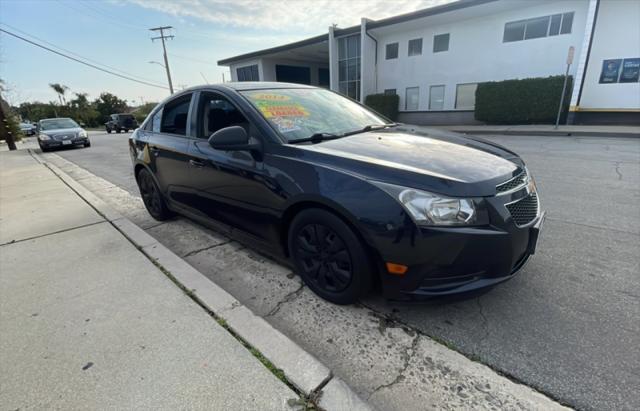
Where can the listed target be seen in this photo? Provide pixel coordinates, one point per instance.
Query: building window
(538, 27)
(436, 98)
(412, 98)
(392, 51)
(441, 42)
(466, 96)
(248, 73)
(415, 47)
(390, 92)
(349, 66)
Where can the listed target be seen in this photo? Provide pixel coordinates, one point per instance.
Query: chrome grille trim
(514, 184)
(524, 211)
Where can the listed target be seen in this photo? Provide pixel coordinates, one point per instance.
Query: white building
(434, 58)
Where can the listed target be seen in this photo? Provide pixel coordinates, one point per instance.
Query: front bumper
(444, 261)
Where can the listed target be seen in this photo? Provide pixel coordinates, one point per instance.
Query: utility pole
(164, 49)
(564, 86)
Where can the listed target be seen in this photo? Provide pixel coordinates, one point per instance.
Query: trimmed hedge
(526, 101)
(385, 104)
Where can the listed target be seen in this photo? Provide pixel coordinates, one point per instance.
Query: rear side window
(174, 116)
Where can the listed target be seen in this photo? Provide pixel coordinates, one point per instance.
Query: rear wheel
(108, 130)
(118, 130)
(151, 196)
(87, 144)
(329, 256)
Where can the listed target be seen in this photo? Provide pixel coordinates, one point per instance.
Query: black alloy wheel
(151, 196)
(329, 256)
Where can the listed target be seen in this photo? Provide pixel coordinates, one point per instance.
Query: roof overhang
(372, 24)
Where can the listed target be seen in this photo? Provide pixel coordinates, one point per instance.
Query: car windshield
(299, 113)
(57, 123)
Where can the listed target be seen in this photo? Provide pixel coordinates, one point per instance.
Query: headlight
(43, 137)
(434, 209)
(82, 134)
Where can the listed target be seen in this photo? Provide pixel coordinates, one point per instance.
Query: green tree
(60, 90)
(83, 110)
(108, 104)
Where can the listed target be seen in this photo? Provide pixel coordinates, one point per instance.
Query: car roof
(246, 85)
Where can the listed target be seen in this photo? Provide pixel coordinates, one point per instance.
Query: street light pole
(164, 49)
(564, 86)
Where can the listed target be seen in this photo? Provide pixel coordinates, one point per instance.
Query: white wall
(476, 51)
(617, 36)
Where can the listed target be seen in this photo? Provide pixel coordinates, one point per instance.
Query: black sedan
(352, 200)
(61, 132)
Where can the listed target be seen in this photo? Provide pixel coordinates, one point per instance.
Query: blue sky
(115, 33)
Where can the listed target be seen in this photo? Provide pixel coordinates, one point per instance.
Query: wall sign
(630, 71)
(610, 71)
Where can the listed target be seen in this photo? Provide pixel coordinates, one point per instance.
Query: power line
(193, 59)
(71, 52)
(80, 61)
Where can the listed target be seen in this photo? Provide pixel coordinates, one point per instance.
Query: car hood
(57, 131)
(419, 157)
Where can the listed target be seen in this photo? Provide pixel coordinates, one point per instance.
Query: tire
(151, 196)
(108, 130)
(126, 130)
(43, 149)
(329, 256)
(87, 144)
(117, 130)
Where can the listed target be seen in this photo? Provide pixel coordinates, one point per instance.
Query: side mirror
(232, 138)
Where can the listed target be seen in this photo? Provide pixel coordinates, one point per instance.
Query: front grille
(515, 182)
(61, 137)
(524, 210)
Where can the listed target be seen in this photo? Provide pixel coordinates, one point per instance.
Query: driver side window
(216, 112)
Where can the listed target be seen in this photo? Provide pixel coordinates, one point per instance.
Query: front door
(231, 187)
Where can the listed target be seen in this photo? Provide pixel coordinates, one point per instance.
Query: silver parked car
(61, 132)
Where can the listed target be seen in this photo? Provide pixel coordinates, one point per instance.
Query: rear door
(168, 145)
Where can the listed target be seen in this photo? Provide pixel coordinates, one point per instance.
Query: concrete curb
(558, 133)
(301, 369)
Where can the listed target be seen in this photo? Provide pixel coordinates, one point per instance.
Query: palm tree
(60, 89)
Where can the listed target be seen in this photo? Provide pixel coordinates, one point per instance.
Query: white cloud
(308, 16)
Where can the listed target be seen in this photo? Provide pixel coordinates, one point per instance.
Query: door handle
(196, 163)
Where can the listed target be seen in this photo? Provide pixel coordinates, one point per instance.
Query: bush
(385, 104)
(526, 101)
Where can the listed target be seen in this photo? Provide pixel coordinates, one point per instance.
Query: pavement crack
(51, 233)
(618, 163)
(485, 322)
(199, 250)
(407, 356)
(287, 299)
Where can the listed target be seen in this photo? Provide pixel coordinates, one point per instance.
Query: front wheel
(87, 144)
(329, 256)
(108, 130)
(151, 196)
(118, 130)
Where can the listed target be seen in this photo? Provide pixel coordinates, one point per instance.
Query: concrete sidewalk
(87, 321)
(547, 130)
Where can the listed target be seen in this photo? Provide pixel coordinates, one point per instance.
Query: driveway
(566, 325)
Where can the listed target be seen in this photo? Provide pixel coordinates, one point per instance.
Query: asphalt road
(568, 323)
